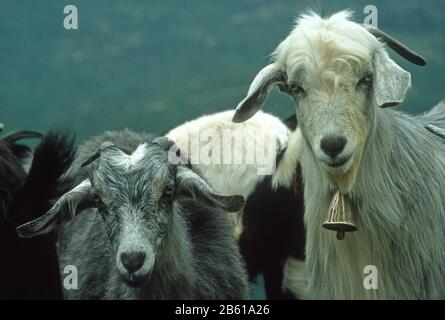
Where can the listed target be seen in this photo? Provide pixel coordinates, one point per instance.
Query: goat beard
(340, 216)
(345, 181)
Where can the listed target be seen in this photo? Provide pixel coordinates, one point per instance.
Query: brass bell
(340, 217)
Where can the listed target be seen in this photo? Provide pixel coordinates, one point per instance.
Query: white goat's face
(338, 74)
(334, 111)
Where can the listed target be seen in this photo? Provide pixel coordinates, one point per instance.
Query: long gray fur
(401, 213)
(199, 258)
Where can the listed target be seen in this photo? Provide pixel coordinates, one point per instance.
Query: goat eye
(365, 81)
(296, 88)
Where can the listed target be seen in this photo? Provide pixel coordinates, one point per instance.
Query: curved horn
(64, 209)
(258, 92)
(23, 134)
(174, 153)
(397, 46)
(103, 146)
(164, 142)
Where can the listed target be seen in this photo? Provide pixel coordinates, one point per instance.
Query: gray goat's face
(135, 195)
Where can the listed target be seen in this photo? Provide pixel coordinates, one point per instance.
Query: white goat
(386, 165)
(270, 226)
(218, 136)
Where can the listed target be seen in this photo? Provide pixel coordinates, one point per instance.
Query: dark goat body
(273, 229)
(29, 268)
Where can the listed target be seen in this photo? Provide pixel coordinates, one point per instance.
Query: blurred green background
(150, 65)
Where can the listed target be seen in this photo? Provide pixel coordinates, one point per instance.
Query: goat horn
(164, 142)
(397, 46)
(14, 136)
(103, 146)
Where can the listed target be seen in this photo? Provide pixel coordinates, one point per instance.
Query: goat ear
(64, 209)
(391, 82)
(259, 90)
(191, 185)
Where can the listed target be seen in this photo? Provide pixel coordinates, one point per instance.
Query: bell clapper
(340, 235)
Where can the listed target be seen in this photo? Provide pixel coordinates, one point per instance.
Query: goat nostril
(133, 260)
(333, 145)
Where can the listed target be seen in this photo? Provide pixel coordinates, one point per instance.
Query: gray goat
(149, 229)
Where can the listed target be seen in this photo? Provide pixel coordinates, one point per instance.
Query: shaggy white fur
(262, 127)
(393, 173)
(235, 178)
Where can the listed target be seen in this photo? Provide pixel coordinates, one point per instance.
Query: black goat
(29, 267)
(274, 229)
